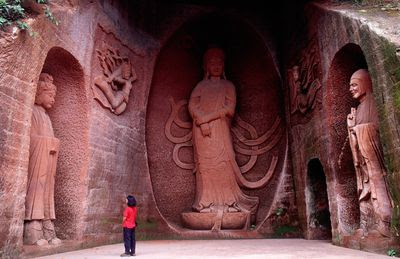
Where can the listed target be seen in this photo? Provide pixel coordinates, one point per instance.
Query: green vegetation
(12, 12)
(147, 224)
(391, 252)
(279, 211)
(283, 231)
(391, 64)
(50, 15)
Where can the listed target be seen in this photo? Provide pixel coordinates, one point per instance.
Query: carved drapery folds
(112, 89)
(44, 149)
(252, 145)
(303, 80)
(363, 131)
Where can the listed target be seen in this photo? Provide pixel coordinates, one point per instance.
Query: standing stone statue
(212, 106)
(44, 148)
(362, 122)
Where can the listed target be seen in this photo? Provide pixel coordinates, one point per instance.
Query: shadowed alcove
(347, 60)
(250, 67)
(70, 123)
(318, 213)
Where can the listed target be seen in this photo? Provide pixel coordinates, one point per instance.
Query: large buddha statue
(212, 106)
(43, 154)
(362, 122)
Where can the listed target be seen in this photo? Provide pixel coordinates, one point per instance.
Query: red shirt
(130, 217)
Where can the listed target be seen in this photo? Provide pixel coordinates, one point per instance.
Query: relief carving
(220, 203)
(303, 82)
(112, 89)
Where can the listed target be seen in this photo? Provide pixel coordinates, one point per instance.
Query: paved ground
(251, 249)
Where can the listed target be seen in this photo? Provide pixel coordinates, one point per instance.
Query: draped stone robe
(43, 154)
(216, 185)
(371, 182)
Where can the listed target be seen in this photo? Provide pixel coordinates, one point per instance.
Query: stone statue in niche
(112, 89)
(219, 203)
(362, 123)
(43, 154)
(304, 83)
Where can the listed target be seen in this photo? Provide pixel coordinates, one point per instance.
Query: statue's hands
(351, 118)
(113, 86)
(205, 129)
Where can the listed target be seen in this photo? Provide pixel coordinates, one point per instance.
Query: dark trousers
(129, 240)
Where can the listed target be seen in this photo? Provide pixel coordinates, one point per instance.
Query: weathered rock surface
(105, 156)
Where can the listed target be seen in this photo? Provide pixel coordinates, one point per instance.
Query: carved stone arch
(69, 117)
(338, 102)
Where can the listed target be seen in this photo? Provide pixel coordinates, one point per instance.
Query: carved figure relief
(219, 203)
(304, 82)
(112, 89)
(363, 130)
(43, 154)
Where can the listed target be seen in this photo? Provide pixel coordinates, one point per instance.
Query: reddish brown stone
(107, 157)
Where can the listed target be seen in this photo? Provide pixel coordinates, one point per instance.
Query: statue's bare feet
(42, 242)
(383, 229)
(232, 209)
(205, 210)
(55, 241)
(359, 233)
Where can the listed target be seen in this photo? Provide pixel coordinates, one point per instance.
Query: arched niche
(250, 66)
(318, 213)
(339, 102)
(69, 117)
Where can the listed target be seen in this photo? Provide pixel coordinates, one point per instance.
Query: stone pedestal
(206, 221)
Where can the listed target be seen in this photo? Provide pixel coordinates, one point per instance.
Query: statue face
(46, 99)
(356, 88)
(215, 66)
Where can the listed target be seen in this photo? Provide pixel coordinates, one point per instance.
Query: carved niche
(220, 203)
(366, 149)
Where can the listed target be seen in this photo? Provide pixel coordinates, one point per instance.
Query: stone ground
(255, 248)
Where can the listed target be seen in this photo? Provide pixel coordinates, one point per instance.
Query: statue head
(126, 68)
(360, 84)
(46, 91)
(214, 62)
(296, 73)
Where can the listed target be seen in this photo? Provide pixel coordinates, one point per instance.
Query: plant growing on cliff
(391, 252)
(11, 11)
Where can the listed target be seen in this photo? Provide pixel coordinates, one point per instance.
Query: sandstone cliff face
(349, 38)
(104, 157)
(96, 144)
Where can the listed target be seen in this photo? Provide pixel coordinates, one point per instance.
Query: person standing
(129, 225)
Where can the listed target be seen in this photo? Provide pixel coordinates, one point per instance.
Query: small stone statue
(43, 154)
(362, 123)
